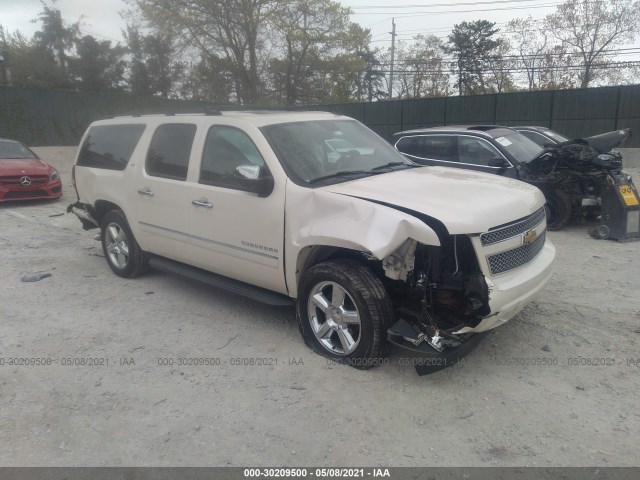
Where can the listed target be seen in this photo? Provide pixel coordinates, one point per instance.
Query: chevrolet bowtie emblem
(529, 237)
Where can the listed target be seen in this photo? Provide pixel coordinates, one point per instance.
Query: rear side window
(109, 146)
(170, 149)
(436, 147)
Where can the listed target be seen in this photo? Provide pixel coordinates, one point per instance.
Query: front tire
(123, 254)
(344, 312)
(558, 209)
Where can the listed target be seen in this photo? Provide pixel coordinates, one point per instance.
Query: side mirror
(253, 178)
(498, 162)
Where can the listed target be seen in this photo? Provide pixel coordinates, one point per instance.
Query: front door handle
(202, 202)
(145, 191)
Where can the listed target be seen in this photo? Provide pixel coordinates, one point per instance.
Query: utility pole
(393, 51)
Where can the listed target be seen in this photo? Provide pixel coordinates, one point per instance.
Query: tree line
(279, 52)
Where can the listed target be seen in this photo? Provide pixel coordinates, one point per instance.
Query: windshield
(14, 150)
(521, 148)
(331, 150)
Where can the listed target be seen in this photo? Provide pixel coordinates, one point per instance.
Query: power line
(367, 7)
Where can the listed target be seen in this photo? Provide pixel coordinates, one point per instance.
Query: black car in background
(571, 174)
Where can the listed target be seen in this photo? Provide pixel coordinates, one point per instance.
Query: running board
(250, 291)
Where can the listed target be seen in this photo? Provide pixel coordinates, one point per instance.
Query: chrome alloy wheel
(117, 246)
(334, 318)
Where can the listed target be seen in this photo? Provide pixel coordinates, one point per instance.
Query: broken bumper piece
(85, 217)
(437, 353)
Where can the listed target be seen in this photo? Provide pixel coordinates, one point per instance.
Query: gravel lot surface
(502, 406)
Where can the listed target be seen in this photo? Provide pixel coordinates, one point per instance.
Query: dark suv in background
(571, 174)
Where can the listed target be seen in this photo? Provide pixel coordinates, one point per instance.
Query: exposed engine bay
(574, 174)
(436, 291)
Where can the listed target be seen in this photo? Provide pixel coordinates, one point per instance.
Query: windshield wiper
(343, 173)
(395, 164)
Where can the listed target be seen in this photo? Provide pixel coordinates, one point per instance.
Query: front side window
(536, 137)
(225, 149)
(109, 146)
(170, 149)
(476, 151)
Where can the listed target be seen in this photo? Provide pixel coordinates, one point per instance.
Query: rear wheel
(558, 209)
(344, 312)
(123, 254)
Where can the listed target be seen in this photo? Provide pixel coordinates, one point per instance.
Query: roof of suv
(492, 131)
(256, 117)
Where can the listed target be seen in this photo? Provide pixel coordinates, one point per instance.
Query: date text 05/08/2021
(316, 472)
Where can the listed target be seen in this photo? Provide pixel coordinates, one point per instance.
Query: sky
(101, 18)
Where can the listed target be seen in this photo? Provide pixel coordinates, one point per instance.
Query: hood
(583, 153)
(465, 201)
(23, 166)
(601, 143)
(604, 142)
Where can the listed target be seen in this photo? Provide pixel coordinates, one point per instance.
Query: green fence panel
(385, 131)
(583, 127)
(41, 117)
(524, 108)
(629, 106)
(384, 113)
(424, 111)
(45, 117)
(588, 103)
(475, 109)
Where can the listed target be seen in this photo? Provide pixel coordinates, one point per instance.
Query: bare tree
(592, 28)
(232, 29)
(530, 42)
(420, 69)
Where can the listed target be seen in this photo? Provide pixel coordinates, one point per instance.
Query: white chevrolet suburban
(316, 210)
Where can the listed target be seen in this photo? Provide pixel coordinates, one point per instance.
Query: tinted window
(225, 149)
(170, 149)
(536, 137)
(409, 145)
(437, 147)
(109, 146)
(476, 151)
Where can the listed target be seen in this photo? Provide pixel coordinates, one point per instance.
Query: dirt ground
(556, 386)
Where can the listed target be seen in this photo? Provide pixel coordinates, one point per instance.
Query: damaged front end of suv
(451, 270)
(574, 174)
(457, 291)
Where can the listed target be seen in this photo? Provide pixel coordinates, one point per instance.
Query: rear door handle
(145, 191)
(202, 202)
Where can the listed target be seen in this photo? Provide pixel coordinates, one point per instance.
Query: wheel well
(312, 255)
(103, 206)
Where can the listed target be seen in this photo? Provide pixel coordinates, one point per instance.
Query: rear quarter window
(109, 146)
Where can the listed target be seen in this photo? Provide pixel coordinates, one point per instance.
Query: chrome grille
(510, 259)
(14, 180)
(513, 229)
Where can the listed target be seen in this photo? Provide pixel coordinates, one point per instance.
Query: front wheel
(123, 254)
(344, 312)
(558, 209)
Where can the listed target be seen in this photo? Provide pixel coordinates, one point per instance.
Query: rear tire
(344, 312)
(558, 209)
(123, 254)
